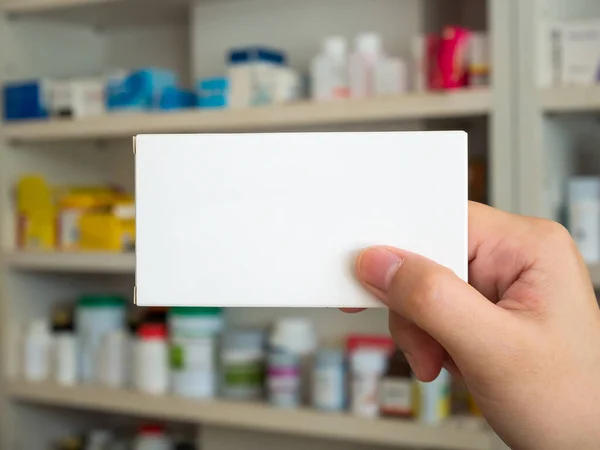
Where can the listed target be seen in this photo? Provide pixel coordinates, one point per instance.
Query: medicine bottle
(64, 348)
(367, 55)
(329, 381)
(368, 366)
(37, 350)
(151, 359)
(396, 390)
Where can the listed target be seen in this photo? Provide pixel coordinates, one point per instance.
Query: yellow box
(35, 214)
(111, 229)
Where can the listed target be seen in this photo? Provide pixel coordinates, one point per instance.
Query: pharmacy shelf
(109, 263)
(254, 416)
(464, 103)
(570, 99)
(102, 13)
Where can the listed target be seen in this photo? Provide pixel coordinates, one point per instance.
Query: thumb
(433, 298)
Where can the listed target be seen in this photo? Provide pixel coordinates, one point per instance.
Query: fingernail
(377, 266)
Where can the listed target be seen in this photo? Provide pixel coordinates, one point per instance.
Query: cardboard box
(277, 220)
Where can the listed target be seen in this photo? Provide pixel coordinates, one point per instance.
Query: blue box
(140, 90)
(213, 93)
(25, 100)
(175, 98)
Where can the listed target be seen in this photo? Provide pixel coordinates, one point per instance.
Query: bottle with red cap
(152, 437)
(151, 368)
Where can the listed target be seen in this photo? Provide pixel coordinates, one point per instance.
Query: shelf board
(471, 102)
(254, 416)
(100, 13)
(72, 262)
(571, 99)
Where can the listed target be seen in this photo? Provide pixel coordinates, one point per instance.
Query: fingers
(433, 298)
(424, 354)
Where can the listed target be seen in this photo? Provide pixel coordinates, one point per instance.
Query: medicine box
(575, 49)
(140, 90)
(277, 220)
(26, 99)
(213, 93)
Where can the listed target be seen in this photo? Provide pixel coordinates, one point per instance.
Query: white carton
(576, 52)
(277, 220)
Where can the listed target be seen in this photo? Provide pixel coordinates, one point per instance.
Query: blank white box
(277, 220)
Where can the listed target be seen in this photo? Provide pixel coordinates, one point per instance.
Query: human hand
(524, 335)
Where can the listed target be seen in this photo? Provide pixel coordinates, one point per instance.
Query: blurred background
(82, 368)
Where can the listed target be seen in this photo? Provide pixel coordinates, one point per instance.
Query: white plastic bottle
(366, 56)
(152, 437)
(151, 359)
(113, 359)
(434, 399)
(65, 369)
(391, 76)
(329, 70)
(37, 348)
(368, 367)
(296, 336)
(65, 358)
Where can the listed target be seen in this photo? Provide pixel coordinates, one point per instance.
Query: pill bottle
(243, 362)
(296, 336)
(329, 71)
(152, 437)
(193, 353)
(284, 379)
(64, 349)
(113, 359)
(434, 399)
(367, 368)
(329, 381)
(396, 391)
(37, 350)
(363, 61)
(151, 359)
(95, 316)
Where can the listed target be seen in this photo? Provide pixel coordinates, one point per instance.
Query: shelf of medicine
(254, 416)
(572, 99)
(92, 262)
(464, 103)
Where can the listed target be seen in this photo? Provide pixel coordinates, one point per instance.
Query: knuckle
(553, 230)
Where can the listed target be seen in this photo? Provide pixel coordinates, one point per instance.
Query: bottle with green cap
(96, 315)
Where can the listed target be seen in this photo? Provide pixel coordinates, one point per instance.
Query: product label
(192, 355)
(396, 396)
(249, 373)
(284, 386)
(364, 395)
(328, 388)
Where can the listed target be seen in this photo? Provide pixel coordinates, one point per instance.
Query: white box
(277, 220)
(576, 52)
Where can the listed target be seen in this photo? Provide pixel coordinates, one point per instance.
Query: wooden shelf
(284, 118)
(254, 416)
(101, 13)
(72, 262)
(572, 99)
